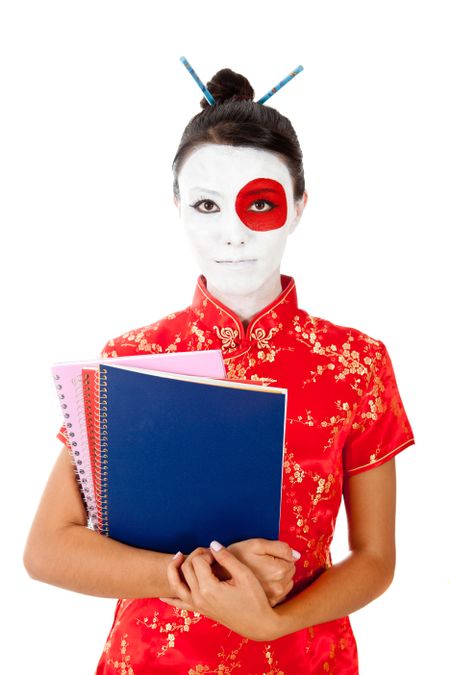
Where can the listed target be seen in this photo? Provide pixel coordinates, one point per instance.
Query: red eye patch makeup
(274, 214)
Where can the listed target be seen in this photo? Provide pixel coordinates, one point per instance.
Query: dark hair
(235, 119)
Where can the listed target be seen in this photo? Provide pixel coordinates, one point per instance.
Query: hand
(272, 563)
(206, 553)
(239, 603)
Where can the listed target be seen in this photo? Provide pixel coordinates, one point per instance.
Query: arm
(367, 572)
(62, 551)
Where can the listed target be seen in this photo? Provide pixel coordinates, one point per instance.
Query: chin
(236, 282)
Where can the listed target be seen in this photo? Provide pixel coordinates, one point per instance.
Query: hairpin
(210, 98)
(207, 94)
(278, 86)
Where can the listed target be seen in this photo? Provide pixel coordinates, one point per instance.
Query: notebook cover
(69, 388)
(68, 382)
(185, 462)
(91, 408)
(90, 377)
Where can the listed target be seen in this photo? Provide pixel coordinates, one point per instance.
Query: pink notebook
(69, 386)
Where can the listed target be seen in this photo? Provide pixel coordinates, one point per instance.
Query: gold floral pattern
(182, 622)
(227, 335)
(344, 416)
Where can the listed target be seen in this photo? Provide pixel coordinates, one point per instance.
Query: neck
(247, 306)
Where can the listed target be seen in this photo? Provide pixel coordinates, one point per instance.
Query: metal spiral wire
(75, 455)
(85, 467)
(101, 465)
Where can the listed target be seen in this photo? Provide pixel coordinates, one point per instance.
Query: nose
(235, 233)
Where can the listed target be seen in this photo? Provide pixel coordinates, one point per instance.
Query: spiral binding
(96, 447)
(82, 472)
(101, 454)
(90, 425)
(85, 470)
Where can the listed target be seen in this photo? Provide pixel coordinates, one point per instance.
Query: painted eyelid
(274, 206)
(205, 199)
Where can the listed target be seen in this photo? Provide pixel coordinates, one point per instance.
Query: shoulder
(354, 349)
(154, 338)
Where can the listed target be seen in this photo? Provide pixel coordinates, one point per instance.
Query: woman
(256, 606)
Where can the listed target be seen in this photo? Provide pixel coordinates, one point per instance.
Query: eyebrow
(257, 191)
(219, 194)
(203, 189)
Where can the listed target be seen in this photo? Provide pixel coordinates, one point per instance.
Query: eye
(262, 202)
(208, 206)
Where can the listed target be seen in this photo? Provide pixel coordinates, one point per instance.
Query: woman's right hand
(272, 563)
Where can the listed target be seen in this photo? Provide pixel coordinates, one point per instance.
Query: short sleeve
(380, 428)
(62, 432)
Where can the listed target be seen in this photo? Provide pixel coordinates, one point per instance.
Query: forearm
(81, 560)
(343, 588)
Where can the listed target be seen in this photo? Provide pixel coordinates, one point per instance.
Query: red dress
(344, 416)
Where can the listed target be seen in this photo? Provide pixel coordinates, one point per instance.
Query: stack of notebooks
(169, 453)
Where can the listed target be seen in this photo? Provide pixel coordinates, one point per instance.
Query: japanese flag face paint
(237, 208)
(254, 213)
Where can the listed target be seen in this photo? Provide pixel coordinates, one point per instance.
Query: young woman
(257, 606)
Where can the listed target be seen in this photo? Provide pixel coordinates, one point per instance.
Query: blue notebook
(185, 460)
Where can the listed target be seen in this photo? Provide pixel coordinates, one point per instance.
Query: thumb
(228, 560)
(280, 549)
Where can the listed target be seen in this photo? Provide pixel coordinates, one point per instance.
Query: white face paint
(227, 227)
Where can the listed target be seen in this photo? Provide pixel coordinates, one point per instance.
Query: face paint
(237, 208)
(273, 213)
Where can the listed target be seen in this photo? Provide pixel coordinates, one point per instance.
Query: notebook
(183, 460)
(68, 382)
(91, 410)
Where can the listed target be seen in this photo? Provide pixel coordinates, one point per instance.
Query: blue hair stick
(206, 93)
(278, 86)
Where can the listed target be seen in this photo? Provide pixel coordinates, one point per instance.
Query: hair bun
(226, 85)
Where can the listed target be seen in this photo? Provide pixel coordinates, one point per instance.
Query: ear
(299, 208)
(177, 204)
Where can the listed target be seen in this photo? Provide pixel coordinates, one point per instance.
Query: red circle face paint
(274, 213)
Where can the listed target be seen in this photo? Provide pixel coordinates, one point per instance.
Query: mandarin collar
(223, 322)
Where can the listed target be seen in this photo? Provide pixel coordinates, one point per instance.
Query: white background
(93, 103)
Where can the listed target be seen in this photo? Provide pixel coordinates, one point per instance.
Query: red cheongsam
(344, 416)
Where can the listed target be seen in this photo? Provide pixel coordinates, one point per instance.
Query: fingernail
(296, 554)
(216, 545)
(176, 555)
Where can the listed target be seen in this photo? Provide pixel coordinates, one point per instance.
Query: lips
(248, 260)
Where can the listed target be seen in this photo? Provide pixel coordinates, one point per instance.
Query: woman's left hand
(239, 603)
